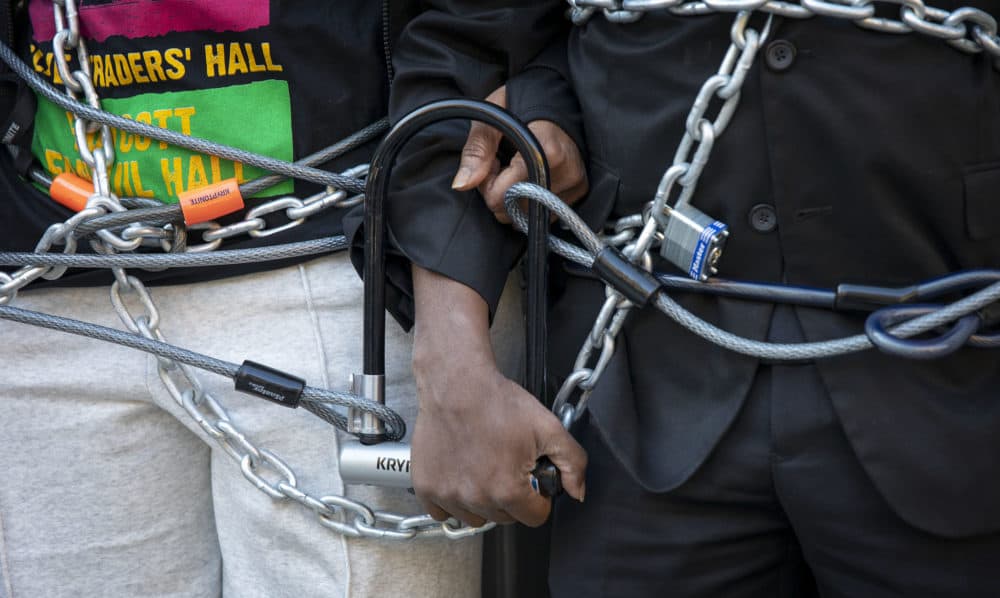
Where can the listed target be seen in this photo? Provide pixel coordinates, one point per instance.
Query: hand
(478, 434)
(477, 438)
(481, 168)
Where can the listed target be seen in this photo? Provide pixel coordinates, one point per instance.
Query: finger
(568, 456)
(501, 212)
(477, 157)
(527, 505)
(563, 156)
(435, 511)
(573, 194)
(502, 517)
(516, 172)
(466, 517)
(568, 174)
(503, 217)
(485, 184)
(498, 516)
(524, 204)
(487, 514)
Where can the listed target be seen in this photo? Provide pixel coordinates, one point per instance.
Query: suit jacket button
(763, 218)
(780, 55)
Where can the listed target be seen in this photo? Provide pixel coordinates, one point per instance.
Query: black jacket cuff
(439, 229)
(542, 92)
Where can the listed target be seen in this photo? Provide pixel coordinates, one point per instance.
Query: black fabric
(982, 205)
(721, 535)
(17, 102)
(864, 147)
(781, 507)
(334, 59)
(542, 91)
(8, 92)
(18, 125)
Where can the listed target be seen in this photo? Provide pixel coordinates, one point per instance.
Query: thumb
(569, 457)
(477, 157)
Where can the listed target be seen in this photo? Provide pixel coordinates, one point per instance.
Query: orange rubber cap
(71, 191)
(208, 203)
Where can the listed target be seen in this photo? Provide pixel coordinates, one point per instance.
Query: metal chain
(296, 210)
(640, 233)
(264, 469)
(172, 237)
(969, 29)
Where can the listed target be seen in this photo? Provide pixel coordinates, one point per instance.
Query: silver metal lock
(364, 425)
(382, 464)
(370, 460)
(693, 241)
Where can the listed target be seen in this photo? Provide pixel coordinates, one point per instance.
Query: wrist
(450, 347)
(451, 340)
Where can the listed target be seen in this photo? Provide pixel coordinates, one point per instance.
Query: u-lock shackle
(370, 459)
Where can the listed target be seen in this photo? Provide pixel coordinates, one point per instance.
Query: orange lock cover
(71, 191)
(210, 202)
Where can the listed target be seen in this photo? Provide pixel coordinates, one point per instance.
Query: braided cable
(715, 335)
(562, 211)
(160, 215)
(175, 260)
(348, 144)
(396, 428)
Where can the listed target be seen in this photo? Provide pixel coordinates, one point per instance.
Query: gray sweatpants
(108, 488)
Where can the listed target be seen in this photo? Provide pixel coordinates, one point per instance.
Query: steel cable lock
(372, 459)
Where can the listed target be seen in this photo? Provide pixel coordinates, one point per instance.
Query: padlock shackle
(378, 188)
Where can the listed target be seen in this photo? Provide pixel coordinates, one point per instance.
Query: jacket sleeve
(464, 48)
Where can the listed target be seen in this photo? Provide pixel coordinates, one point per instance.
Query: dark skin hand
(478, 434)
(480, 168)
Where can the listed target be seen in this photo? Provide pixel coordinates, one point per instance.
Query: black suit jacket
(880, 155)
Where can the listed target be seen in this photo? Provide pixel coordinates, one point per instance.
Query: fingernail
(583, 493)
(461, 179)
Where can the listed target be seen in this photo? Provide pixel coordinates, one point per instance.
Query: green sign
(255, 117)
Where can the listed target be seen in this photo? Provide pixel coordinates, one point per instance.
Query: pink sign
(152, 18)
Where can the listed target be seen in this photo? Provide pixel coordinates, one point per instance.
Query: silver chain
(969, 29)
(295, 210)
(262, 468)
(80, 82)
(640, 233)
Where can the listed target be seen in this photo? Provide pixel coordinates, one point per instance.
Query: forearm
(451, 333)
(478, 435)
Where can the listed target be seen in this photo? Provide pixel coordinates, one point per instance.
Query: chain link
(969, 29)
(640, 233)
(213, 234)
